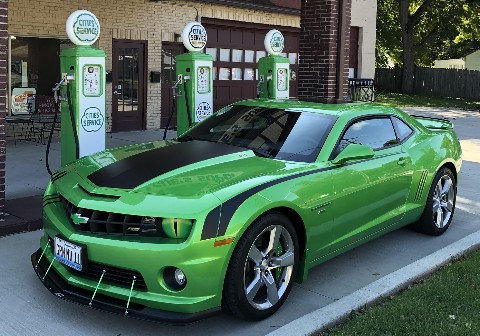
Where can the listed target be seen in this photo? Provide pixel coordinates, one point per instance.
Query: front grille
(113, 275)
(101, 222)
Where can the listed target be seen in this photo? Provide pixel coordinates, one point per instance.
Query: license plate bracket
(70, 254)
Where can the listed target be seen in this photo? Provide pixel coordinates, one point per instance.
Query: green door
(370, 195)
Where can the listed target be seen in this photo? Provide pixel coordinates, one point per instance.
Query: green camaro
(234, 211)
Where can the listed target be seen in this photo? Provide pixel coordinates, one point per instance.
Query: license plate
(68, 253)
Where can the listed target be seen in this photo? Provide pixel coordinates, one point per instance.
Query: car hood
(177, 169)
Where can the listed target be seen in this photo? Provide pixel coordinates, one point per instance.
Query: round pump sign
(194, 36)
(274, 42)
(83, 27)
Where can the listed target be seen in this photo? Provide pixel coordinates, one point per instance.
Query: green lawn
(403, 100)
(445, 303)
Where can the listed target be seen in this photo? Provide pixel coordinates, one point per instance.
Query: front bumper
(62, 289)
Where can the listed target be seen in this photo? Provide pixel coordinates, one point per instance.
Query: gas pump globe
(274, 70)
(83, 89)
(195, 81)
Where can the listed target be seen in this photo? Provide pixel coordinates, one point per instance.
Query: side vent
(421, 186)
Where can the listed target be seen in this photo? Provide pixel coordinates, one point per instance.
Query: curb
(340, 310)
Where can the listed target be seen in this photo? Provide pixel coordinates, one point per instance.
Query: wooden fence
(464, 84)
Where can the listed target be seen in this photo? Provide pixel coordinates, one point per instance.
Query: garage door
(236, 48)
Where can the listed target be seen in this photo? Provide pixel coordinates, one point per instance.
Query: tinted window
(376, 133)
(269, 132)
(403, 129)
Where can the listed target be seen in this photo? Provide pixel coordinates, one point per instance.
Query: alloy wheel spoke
(272, 291)
(252, 289)
(446, 186)
(436, 205)
(275, 234)
(449, 206)
(440, 218)
(255, 255)
(286, 259)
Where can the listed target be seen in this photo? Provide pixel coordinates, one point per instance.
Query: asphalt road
(27, 308)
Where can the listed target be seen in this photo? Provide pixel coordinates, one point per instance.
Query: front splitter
(60, 288)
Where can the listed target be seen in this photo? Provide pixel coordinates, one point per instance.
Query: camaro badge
(78, 219)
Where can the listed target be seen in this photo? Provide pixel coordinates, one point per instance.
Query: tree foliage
(442, 29)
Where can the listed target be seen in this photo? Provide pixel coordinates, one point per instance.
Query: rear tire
(262, 268)
(440, 206)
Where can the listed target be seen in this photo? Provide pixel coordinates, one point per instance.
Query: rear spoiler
(434, 123)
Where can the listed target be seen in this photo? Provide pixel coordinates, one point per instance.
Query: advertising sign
(274, 42)
(194, 36)
(23, 101)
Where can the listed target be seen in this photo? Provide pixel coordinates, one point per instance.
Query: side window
(403, 130)
(377, 133)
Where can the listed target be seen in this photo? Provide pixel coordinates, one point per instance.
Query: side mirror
(354, 152)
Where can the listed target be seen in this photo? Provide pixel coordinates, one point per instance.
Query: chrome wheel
(443, 201)
(269, 267)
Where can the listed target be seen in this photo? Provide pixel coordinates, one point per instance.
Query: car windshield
(269, 132)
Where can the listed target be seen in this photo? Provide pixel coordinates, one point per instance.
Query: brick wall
(130, 19)
(3, 86)
(319, 50)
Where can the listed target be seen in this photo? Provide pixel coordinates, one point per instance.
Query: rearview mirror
(354, 152)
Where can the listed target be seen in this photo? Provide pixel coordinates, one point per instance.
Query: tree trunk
(408, 54)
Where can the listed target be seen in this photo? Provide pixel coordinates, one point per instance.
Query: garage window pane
(261, 54)
(237, 74)
(225, 55)
(249, 54)
(283, 54)
(237, 55)
(215, 73)
(293, 58)
(248, 74)
(224, 74)
(212, 52)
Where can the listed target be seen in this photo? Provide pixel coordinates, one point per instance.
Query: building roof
(279, 6)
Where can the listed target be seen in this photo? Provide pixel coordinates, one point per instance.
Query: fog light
(180, 277)
(174, 278)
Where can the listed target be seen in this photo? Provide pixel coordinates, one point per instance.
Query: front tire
(440, 206)
(262, 268)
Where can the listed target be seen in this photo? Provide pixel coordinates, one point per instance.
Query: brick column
(320, 54)
(3, 90)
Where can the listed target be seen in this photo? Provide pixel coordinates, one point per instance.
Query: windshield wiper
(261, 152)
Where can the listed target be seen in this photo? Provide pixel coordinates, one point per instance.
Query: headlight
(177, 227)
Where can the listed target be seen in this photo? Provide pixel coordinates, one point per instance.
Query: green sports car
(235, 210)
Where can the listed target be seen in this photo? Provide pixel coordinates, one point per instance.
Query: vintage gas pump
(195, 82)
(273, 70)
(82, 89)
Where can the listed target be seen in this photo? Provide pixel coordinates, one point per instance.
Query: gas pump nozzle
(176, 88)
(64, 80)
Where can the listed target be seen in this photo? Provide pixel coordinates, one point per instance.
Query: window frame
(397, 131)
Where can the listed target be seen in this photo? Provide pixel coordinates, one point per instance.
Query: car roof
(331, 109)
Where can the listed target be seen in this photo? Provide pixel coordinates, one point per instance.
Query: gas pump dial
(91, 80)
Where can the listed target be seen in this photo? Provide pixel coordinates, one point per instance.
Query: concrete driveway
(27, 308)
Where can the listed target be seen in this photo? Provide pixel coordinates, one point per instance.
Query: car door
(370, 194)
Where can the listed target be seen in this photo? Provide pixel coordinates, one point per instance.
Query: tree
(417, 32)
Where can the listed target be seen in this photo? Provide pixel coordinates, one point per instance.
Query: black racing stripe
(210, 226)
(230, 206)
(140, 168)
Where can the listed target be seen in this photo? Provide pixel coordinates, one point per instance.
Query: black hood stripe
(137, 169)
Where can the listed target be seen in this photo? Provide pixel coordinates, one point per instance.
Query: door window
(377, 133)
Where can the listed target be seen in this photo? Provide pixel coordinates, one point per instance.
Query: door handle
(116, 93)
(402, 161)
